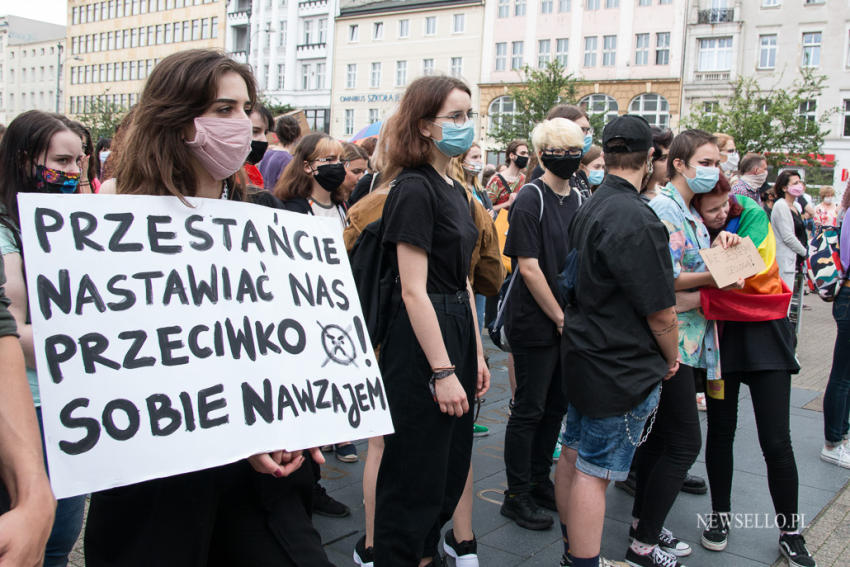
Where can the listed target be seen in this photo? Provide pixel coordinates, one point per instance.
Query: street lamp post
(58, 73)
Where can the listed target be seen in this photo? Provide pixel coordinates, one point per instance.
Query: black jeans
(662, 462)
(771, 394)
(836, 399)
(540, 403)
(426, 461)
(228, 515)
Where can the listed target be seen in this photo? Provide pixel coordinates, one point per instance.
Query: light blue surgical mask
(595, 176)
(588, 141)
(705, 179)
(456, 139)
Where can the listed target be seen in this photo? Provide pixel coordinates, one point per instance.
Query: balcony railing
(312, 5)
(711, 76)
(310, 46)
(716, 16)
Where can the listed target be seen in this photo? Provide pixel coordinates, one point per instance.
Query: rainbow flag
(765, 296)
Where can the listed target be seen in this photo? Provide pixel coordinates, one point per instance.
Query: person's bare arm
(16, 291)
(25, 528)
(536, 283)
(413, 272)
(664, 325)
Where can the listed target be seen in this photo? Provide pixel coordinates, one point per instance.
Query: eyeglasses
(560, 152)
(328, 159)
(460, 117)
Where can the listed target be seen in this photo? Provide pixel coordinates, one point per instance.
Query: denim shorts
(605, 446)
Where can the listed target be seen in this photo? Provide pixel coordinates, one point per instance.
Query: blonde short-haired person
(537, 244)
(826, 213)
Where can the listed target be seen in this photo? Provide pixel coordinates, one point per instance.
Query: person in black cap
(620, 335)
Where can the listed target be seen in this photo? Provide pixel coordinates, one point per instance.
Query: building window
(500, 110)
(281, 75)
(846, 132)
(715, 54)
(642, 49)
(516, 55)
(665, 1)
(353, 32)
(770, 3)
(431, 25)
(590, 51)
(305, 77)
(320, 75)
(562, 49)
(374, 115)
(811, 49)
(501, 56)
(403, 28)
(458, 23)
(591, 4)
(654, 108)
(609, 50)
(400, 73)
(644, 2)
(710, 107)
(349, 122)
(612, 3)
(282, 34)
(564, 5)
(428, 66)
(519, 7)
(546, 6)
(375, 77)
(767, 51)
(544, 50)
(351, 75)
(323, 30)
(308, 31)
(662, 48)
(457, 66)
(504, 8)
(378, 30)
(808, 110)
(600, 104)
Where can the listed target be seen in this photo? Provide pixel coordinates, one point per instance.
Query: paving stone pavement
(824, 494)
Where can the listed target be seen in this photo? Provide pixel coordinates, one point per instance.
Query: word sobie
(171, 337)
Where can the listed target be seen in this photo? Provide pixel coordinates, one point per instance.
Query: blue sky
(53, 11)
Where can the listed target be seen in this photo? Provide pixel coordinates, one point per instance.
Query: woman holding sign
(673, 444)
(431, 358)
(190, 135)
(53, 151)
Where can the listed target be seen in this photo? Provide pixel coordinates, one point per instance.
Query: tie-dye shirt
(688, 234)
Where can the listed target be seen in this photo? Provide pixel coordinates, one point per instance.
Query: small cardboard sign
(726, 265)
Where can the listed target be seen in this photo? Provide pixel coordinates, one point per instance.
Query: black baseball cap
(632, 132)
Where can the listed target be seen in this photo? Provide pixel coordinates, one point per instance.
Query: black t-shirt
(7, 322)
(547, 240)
(757, 346)
(434, 216)
(610, 357)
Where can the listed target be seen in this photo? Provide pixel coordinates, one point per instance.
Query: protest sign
(171, 338)
(726, 265)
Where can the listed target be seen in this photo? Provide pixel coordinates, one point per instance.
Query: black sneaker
(694, 485)
(364, 556)
(793, 547)
(668, 542)
(655, 558)
(324, 505)
(566, 561)
(544, 495)
(465, 553)
(629, 484)
(716, 536)
(522, 509)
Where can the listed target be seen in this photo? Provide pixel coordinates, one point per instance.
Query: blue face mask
(705, 179)
(588, 141)
(456, 139)
(595, 176)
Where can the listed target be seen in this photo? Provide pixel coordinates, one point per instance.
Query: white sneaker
(838, 455)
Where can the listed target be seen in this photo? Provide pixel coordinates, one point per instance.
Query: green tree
(273, 106)
(540, 90)
(102, 118)
(778, 122)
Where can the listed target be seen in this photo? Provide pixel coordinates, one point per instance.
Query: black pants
(662, 462)
(426, 461)
(540, 403)
(229, 515)
(771, 394)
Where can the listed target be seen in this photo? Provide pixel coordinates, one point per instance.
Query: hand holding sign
(728, 265)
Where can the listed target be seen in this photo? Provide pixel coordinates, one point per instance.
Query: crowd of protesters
(617, 330)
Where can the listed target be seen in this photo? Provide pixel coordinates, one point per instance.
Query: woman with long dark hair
(189, 136)
(431, 357)
(788, 225)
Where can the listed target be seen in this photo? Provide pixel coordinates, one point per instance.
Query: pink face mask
(221, 145)
(796, 190)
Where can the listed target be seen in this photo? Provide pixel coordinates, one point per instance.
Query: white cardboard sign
(171, 338)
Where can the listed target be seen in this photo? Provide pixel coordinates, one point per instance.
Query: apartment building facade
(382, 46)
(31, 61)
(771, 40)
(627, 53)
(115, 44)
(289, 43)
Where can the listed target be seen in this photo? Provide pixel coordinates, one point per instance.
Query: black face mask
(330, 175)
(521, 161)
(258, 150)
(562, 167)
